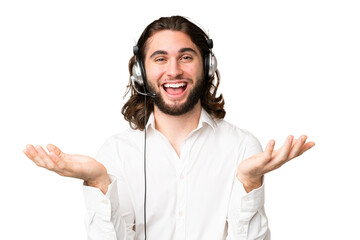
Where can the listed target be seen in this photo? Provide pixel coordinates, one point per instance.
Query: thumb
(56, 151)
(270, 147)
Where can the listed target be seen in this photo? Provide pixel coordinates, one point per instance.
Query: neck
(177, 128)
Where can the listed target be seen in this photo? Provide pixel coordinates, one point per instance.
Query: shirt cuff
(99, 203)
(248, 202)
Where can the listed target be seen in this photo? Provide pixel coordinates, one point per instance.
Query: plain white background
(287, 67)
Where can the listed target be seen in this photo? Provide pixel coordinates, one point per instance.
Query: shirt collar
(151, 121)
(205, 118)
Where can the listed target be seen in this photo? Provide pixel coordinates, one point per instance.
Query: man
(204, 176)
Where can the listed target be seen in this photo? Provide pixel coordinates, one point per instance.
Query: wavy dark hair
(134, 109)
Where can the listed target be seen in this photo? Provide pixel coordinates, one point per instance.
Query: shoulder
(243, 140)
(124, 139)
(118, 145)
(223, 127)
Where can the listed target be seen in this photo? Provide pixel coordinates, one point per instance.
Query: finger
(297, 146)
(30, 151)
(280, 156)
(269, 149)
(57, 155)
(59, 162)
(306, 147)
(285, 149)
(33, 154)
(44, 157)
(52, 148)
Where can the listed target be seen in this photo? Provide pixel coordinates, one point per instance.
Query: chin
(176, 109)
(179, 106)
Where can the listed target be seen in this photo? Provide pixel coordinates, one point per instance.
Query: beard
(178, 109)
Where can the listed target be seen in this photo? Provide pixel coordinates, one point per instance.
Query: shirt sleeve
(246, 216)
(109, 216)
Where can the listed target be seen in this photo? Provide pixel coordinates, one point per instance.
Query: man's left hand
(251, 171)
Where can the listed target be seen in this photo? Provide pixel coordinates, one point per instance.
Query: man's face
(174, 71)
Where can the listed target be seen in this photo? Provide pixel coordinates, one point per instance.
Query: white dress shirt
(195, 196)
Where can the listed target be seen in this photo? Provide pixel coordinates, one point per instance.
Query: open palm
(251, 170)
(68, 165)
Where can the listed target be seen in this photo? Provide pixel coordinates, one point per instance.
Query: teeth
(174, 85)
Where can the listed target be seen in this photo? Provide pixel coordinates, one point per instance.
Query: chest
(205, 169)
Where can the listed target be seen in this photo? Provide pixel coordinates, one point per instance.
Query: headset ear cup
(137, 73)
(142, 71)
(213, 65)
(210, 65)
(206, 66)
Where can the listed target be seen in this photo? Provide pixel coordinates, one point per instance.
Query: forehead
(169, 41)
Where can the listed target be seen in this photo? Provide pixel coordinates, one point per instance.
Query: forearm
(108, 217)
(246, 218)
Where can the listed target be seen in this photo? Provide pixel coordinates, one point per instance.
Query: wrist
(101, 183)
(250, 183)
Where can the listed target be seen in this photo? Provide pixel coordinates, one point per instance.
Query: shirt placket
(181, 194)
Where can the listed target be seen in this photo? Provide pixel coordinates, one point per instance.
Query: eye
(160, 59)
(186, 58)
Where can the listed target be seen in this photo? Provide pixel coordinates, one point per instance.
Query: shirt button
(182, 176)
(181, 213)
(242, 230)
(246, 199)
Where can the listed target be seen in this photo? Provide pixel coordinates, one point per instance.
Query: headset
(139, 76)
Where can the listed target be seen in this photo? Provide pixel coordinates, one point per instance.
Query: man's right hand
(70, 165)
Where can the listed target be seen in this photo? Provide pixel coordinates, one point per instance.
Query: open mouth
(175, 88)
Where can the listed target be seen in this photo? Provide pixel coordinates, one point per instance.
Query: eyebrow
(182, 50)
(158, 52)
(187, 50)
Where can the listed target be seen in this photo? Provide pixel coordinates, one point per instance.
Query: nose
(174, 69)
